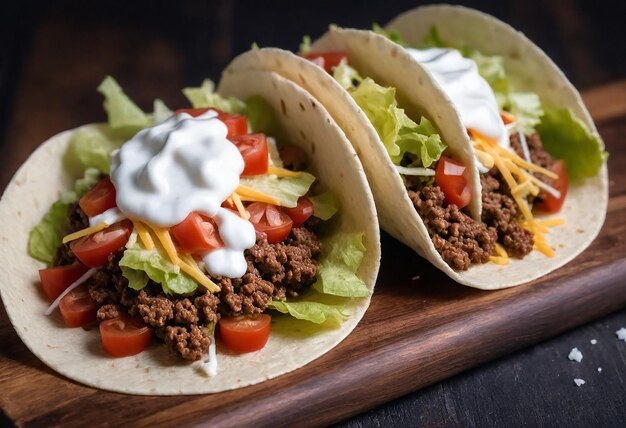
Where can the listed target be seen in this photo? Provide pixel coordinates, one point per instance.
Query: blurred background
(54, 53)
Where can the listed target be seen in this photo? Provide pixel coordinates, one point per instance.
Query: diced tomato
(507, 117)
(293, 157)
(99, 199)
(93, 250)
(77, 308)
(253, 149)
(548, 203)
(327, 60)
(450, 177)
(301, 212)
(270, 220)
(197, 233)
(56, 279)
(245, 334)
(236, 123)
(124, 336)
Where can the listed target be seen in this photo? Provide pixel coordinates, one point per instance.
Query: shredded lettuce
(305, 45)
(124, 115)
(566, 137)
(205, 96)
(160, 112)
(139, 264)
(392, 35)
(336, 283)
(261, 117)
(315, 312)
(46, 236)
(90, 148)
(341, 258)
(396, 130)
(325, 205)
(526, 107)
(346, 76)
(286, 189)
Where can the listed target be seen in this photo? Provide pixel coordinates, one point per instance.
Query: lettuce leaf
(46, 236)
(566, 137)
(261, 117)
(90, 148)
(305, 44)
(325, 205)
(44, 239)
(286, 189)
(205, 96)
(526, 107)
(137, 260)
(124, 115)
(341, 258)
(160, 112)
(397, 131)
(315, 312)
(346, 76)
(392, 35)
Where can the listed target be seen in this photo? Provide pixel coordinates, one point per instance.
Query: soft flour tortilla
(387, 63)
(78, 355)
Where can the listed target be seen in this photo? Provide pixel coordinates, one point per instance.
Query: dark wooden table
(54, 55)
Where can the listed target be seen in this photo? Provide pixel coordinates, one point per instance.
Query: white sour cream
(110, 216)
(471, 95)
(182, 165)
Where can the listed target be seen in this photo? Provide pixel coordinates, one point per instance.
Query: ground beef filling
(275, 271)
(459, 239)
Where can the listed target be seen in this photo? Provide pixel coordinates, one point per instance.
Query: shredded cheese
(282, 172)
(485, 159)
(84, 232)
(163, 235)
(498, 260)
(190, 267)
(500, 251)
(236, 200)
(552, 222)
(516, 173)
(249, 194)
(144, 235)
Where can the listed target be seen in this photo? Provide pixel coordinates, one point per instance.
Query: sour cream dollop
(182, 165)
(470, 93)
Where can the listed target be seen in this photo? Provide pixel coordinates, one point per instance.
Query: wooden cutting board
(417, 331)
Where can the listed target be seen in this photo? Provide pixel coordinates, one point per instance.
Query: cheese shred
(282, 172)
(87, 231)
(249, 194)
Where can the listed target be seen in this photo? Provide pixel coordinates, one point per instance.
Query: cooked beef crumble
(501, 213)
(275, 271)
(459, 239)
(76, 220)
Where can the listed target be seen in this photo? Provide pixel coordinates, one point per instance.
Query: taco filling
(199, 222)
(436, 183)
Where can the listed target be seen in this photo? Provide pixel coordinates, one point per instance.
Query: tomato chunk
(300, 213)
(56, 279)
(124, 336)
(99, 199)
(450, 177)
(253, 149)
(245, 334)
(327, 60)
(77, 308)
(270, 220)
(236, 123)
(549, 203)
(197, 233)
(94, 250)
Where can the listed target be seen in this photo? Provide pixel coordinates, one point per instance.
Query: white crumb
(593, 341)
(575, 355)
(415, 278)
(599, 369)
(579, 382)
(621, 334)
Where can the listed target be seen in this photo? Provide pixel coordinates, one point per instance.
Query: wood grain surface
(416, 332)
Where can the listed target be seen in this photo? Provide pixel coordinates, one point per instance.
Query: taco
(381, 97)
(217, 246)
